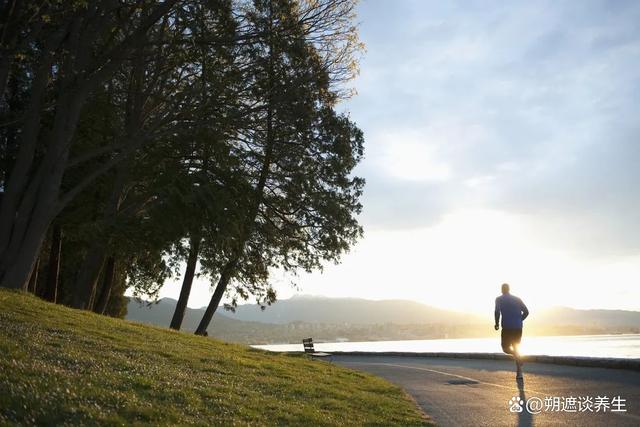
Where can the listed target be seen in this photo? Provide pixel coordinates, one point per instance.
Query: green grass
(64, 366)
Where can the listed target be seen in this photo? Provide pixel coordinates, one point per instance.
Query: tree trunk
(38, 207)
(20, 262)
(51, 288)
(85, 284)
(17, 180)
(107, 284)
(33, 280)
(181, 306)
(221, 287)
(87, 278)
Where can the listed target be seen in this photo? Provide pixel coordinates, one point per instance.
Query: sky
(501, 146)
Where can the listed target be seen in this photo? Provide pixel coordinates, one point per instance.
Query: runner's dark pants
(510, 339)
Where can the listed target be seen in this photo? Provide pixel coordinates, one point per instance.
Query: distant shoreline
(619, 346)
(613, 334)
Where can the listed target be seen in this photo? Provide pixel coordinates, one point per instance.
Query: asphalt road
(467, 392)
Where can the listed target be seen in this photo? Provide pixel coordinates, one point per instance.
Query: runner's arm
(496, 312)
(525, 310)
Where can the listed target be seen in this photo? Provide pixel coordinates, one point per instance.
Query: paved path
(467, 392)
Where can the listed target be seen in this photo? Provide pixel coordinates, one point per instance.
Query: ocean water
(620, 346)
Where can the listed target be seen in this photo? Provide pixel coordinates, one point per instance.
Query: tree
(80, 46)
(299, 155)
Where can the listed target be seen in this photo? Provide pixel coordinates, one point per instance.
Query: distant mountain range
(161, 312)
(362, 319)
(355, 311)
(605, 318)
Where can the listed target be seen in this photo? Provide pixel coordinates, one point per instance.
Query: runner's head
(505, 288)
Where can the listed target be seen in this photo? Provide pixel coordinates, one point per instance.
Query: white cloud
(411, 155)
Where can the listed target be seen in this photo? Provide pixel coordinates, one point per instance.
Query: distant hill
(602, 318)
(361, 319)
(160, 314)
(314, 309)
(306, 309)
(330, 327)
(356, 311)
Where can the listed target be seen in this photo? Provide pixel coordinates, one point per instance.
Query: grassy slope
(59, 365)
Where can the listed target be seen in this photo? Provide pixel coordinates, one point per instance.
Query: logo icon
(515, 404)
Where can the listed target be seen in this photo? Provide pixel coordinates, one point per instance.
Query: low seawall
(594, 362)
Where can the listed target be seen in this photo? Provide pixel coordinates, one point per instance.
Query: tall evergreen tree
(299, 155)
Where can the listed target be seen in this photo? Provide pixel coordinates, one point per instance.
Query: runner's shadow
(525, 419)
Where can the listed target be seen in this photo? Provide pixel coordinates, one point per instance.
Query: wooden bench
(310, 350)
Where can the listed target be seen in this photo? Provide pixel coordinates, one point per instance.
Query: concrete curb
(592, 362)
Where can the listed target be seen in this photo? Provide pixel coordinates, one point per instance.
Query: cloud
(411, 155)
(399, 204)
(526, 107)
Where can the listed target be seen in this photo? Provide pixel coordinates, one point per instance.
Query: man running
(513, 312)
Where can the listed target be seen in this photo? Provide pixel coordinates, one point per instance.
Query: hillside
(59, 365)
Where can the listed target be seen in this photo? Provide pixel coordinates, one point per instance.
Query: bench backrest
(308, 345)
